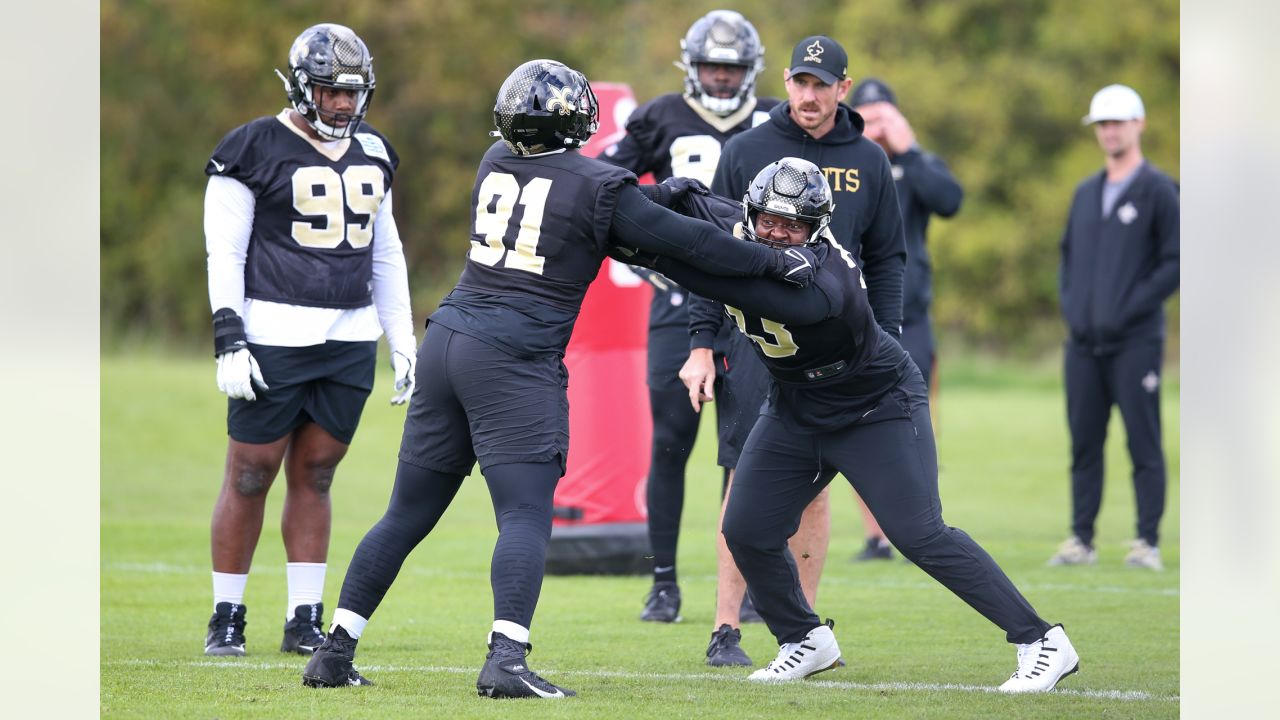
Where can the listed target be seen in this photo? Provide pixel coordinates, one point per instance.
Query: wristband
(228, 332)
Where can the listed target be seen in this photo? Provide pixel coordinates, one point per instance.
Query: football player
(846, 398)
(680, 134)
(492, 382)
(306, 271)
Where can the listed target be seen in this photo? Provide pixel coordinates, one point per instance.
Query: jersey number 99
(359, 188)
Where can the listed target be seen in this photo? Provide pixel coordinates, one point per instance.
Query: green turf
(913, 649)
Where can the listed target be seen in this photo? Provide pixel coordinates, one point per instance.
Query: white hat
(1114, 102)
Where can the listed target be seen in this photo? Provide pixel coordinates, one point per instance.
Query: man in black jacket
(925, 187)
(1119, 265)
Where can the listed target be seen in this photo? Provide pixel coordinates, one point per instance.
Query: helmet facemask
(725, 37)
(792, 188)
(331, 56)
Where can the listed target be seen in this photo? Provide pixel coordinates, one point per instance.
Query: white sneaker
(1074, 552)
(1043, 663)
(1143, 555)
(817, 652)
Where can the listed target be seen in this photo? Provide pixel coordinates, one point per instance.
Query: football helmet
(543, 106)
(332, 56)
(726, 37)
(793, 188)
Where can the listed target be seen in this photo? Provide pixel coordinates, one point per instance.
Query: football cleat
(725, 649)
(330, 665)
(662, 603)
(303, 633)
(816, 653)
(876, 549)
(226, 630)
(747, 612)
(505, 674)
(1074, 552)
(1143, 555)
(1043, 663)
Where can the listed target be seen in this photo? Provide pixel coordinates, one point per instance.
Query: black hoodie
(866, 218)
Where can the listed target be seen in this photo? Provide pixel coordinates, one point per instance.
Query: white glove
(237, 373)
(402, 368)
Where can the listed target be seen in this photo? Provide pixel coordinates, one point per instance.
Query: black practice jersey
(541, 226)
(668, 137)
(829, 359)
(312, 237)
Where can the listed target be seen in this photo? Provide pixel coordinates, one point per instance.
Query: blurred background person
(1120, 262)
(925, 187)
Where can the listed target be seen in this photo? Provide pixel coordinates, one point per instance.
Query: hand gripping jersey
(540, 229)
(312, 235)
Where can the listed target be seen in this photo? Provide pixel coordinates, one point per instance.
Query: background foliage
(995, 87)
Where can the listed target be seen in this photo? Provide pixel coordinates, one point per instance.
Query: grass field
(913, 649)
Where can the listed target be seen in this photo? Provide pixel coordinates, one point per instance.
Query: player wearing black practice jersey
(846, 398)
(680, 135)
(306, 271)
(492, 383)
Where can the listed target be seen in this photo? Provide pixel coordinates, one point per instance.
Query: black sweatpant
(675, 427)
(1129, 378)
(890, 459)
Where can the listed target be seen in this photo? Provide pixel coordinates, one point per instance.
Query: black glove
(632, 256)
(796, 265)
(681, 186)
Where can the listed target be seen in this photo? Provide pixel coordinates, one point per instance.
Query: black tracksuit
(1116, 273)
(925, 187)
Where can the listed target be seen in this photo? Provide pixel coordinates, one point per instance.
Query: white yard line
(237, 664)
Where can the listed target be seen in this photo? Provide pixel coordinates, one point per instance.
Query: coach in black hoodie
(815, 125)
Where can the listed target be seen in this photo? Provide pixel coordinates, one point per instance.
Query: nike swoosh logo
(664, 568)
(218, 166)
(542, 693)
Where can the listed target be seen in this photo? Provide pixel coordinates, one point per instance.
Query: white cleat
(1143, 555)
(817, 652)
(1043, 663)
(1074, 552)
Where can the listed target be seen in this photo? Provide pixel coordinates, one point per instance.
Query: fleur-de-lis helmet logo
(560, 100)
(814, 52)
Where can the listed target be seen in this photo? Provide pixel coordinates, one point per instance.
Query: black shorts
(741, 389)
(325, 384)
(475, 401)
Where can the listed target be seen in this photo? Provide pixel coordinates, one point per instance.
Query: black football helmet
(793, 188)
(726, 37)
(543, 106)
(333, 56)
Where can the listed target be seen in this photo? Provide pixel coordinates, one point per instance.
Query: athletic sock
(351, 622)
(229, 587)
(515, 631)
(306, 585)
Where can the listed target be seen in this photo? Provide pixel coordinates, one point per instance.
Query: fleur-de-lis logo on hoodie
(560, 101)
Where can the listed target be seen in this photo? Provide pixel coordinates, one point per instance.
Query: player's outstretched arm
(641, 224)
(764, 297)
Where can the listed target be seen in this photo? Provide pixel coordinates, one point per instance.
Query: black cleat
(662, 603)
(876, 549)
(747, 612)
(330, 665)
(505, 674)
(226, 630)
(303, 633)
(725, 649)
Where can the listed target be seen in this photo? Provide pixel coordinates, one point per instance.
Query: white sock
(306, 584)
(351, 622)
(228, 587)
(519, 633)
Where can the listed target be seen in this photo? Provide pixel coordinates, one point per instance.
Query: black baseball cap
(872, 90)
(821, 57)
